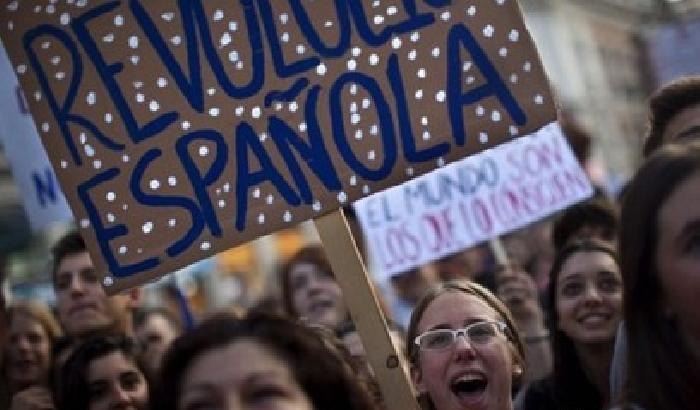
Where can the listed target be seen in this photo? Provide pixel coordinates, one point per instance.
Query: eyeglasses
(479, 333)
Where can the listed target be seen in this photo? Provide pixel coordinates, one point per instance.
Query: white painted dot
(391, 10)
(154, 184)
(168, 16)
(218, 15)
(205, 246)
(233, 56)
(284, 18)
(503, 52)
(270, 199)
(108, 281)
(500, 2)
(440, 96)
(125, 158)
(419, 94)
(301, 49)
(426, 135)
(108, 38)
(356, 51)
(412, 54)
(134, 42)
(480, 111)
(50, 9)
(424, 121)
(138, 84)
(203, 151)
(471, 11)
(123, 249)
(353, 89)
(435, 52)
(353, 180)
(135, 59)
(483, 137)
(527, 66)
(97, 164)
(37, 95)
(352, 64)
(409, 171)
(321, 69)
(185, 125)
(353, 106)
(262, 136)
(118, 20)
(495, 116)
(328, 24)
(366, 190)
(513, 130)
(60, 75)
(256, 193)
(539, 100)
(110, 217)
(227, 187)
(233, 25)
(125, 207)
(415, 36)
(222, 203)
(172, 222)
(421, 73)
(147, 227)
(316, 206)
(371, 155)
(45, 127)
(355, 118)
(374, 129)
(293, 106)
(285, 37)
(153, 106)
(162, 82)
(373, 59)
(396, 43)
(365, 103)
(108, 118)
(441, 162)
(342, 197)
(13, 5)
(64, 164)
(261, 218)
(378, 19)
(287, 217)
(89, 150)
(514, 78)
(488, 30)
(176, 40)
(255, 112)
(302, 127)
(214, 111)
(469, 80)
(445, 16)
(239, 111)
(513, 35)
(358, 134)
(91, 98)
(45, 45)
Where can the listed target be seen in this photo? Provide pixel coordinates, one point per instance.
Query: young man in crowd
(84, 308)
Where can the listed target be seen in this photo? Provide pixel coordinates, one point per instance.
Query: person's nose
(592, 294)
(23, 345)
(120, 398)
(464, 350)
(77, 286)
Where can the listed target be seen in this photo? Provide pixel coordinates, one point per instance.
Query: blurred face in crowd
(411, 285)
(316, 295)
(678, 259)
(589, 297)
(472, 372)
(83, 306)
(155, 335)
(28, 352)
(115, 382)
(260, 380)
(684, 125)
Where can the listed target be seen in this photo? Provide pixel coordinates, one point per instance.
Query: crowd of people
(604, 313)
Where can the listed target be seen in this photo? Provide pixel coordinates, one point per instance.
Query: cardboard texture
(471, 201)
(179, 129)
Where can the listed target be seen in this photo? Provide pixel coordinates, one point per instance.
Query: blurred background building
(604, 58)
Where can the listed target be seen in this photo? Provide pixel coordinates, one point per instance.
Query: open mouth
(469, 386)
(321, 305)
(593, 319)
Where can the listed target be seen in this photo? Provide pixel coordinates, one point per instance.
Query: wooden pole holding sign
(359, 296)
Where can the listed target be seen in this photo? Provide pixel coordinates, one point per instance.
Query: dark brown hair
(594, 213)
(476, 290)
(665, 103)
(323, 375)
(571, 387)
(69, 244)
(662, 373)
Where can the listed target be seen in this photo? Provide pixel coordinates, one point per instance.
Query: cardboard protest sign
(43, 200)
(471, 201)
(182, 128)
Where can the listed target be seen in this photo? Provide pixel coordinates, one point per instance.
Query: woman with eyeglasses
(585, 293)
(463, 349)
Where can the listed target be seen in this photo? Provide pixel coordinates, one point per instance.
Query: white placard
(41, 193)
(471, 201)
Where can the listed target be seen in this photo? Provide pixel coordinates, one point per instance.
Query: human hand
(33, 398)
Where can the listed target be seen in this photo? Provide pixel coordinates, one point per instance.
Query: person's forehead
(75, 262)
(456, 307)
(585, 263)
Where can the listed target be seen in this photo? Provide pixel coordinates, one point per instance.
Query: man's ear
(417, 379)
(134, 297)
